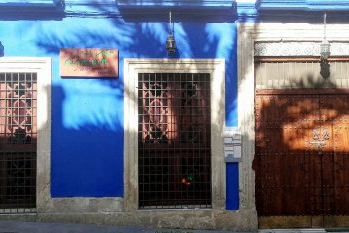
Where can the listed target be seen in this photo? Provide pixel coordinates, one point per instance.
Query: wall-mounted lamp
(170, 42)
(325, 47)
(325, 52)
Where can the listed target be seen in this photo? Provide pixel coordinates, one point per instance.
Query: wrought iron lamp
(325, 47)
(325, 52)
(170, 42)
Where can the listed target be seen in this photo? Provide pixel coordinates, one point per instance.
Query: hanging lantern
(170, 42)
(325, 47)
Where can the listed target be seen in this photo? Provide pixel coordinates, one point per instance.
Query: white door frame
(216, 69)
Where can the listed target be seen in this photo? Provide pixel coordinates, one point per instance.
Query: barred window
(174, 140)
(18, 136)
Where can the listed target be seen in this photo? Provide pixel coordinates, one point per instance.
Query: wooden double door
(302, 158)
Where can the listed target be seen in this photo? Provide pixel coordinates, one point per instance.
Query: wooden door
(301, 153)
(335, 113)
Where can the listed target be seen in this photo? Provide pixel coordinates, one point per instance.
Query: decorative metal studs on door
(320, 136)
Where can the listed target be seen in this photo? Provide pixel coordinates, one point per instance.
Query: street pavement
(39, 227)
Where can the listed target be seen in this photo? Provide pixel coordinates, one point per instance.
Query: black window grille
(18, 136)
(174, 138)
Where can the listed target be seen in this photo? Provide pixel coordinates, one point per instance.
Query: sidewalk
(37, 227)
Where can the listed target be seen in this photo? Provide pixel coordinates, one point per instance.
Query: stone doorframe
(216, 69)
(250, 34)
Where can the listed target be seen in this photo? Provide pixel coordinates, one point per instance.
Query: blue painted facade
(87, 114)
(304, 5)
(232, 174)
(284, 11)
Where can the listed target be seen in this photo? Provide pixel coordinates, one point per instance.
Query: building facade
(237, 129)
(142, 147)
(296, 118)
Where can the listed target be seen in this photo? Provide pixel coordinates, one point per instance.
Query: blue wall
(87, 116)
(232, 179)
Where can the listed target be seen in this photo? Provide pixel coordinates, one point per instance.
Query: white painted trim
(41, 66)
(303, 32)
(291, 48)
(216, 68)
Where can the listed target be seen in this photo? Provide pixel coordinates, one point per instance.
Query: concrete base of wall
(19, 217)
(189, 219)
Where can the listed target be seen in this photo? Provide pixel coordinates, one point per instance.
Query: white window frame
(42, 67)
(216, 69)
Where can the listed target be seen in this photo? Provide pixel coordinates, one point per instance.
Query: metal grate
(174, 140)
(18, 136)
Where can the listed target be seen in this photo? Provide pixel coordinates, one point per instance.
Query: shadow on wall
(301, 143)
(85, 159)
(87, 114)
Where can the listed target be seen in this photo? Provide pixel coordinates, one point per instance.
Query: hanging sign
(89, 62)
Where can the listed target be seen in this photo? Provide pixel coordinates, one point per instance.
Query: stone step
(307, 230)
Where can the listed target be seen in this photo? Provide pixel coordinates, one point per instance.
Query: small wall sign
(85, 62)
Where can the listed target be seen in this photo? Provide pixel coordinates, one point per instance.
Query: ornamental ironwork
(297, 49)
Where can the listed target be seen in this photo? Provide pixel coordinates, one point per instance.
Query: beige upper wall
(288, 74)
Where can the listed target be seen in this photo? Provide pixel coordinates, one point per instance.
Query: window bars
(174, 140)
(18, 136)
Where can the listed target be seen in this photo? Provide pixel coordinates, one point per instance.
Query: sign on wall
(84, 62)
